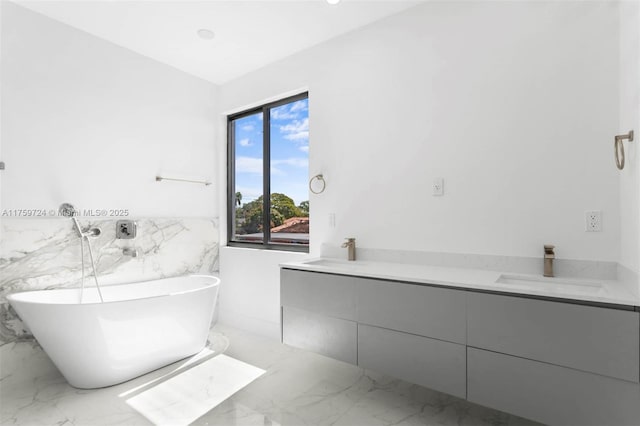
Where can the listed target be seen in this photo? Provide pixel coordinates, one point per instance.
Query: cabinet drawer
(426, 311)
(331, 295)
(333, 337)
(549, 393)
(598, 340)
(428, 362)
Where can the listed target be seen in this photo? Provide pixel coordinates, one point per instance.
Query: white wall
(250, 289)
(514, 104)
(1, 158)
(91, 123)
(630, 119)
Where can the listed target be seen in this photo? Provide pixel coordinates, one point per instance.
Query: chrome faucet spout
(128, 251)
(350, 244)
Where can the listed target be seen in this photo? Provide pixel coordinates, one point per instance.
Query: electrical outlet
(593, 221)
(438, 187)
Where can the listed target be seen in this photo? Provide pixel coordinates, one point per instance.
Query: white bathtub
(140, 327)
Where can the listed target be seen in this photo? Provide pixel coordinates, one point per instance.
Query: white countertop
(598, 291)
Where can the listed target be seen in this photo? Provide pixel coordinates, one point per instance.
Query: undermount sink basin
(549, 283)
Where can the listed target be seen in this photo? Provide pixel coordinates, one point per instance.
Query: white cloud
(245, 142)
(248, 127)
(298, 106)
(294, 162)
(304, 148)
(254, 165)
(248, 165)
(282, 114)
(297, 130)
(298, 136)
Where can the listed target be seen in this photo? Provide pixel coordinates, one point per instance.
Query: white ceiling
(249, 34)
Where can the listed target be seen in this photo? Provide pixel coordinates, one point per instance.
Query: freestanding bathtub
(140, 327)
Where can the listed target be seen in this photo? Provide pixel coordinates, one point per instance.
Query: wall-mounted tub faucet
(128, 251)
(350, 244)
(91, 232)
(549, 255)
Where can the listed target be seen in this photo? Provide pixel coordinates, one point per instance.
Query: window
(269, 154)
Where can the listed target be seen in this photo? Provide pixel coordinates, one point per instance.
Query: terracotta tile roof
(294, 225)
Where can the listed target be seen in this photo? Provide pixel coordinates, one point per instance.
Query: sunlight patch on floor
(182, 399)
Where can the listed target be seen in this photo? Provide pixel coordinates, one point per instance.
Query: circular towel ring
(319, 178)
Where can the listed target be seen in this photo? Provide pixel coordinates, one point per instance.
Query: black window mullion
(266, 169)
(266, 164)
(231, 180)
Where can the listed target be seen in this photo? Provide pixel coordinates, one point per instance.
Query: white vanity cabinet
(433, 312)
(333, 337)
(411, 332)
(318, 313)
(554, 362)
(432, 363)
(587, 338)
(549, 393)
(545, 359)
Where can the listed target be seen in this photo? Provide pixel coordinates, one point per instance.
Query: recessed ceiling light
(333, 1)
(207, 34)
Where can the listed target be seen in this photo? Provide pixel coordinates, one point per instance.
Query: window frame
(266, 177)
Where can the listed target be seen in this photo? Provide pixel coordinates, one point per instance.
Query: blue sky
(289, 152)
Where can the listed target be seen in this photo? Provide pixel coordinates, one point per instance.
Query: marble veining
(298, 388)
(37, 254)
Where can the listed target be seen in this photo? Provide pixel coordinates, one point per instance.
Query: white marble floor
(298, 388)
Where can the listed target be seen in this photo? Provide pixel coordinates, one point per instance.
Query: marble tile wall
(44, 253)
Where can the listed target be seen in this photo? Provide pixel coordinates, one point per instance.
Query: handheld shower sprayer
(77, 224)
(67, 210)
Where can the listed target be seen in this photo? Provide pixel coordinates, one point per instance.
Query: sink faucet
(350, 244)
(549, 255)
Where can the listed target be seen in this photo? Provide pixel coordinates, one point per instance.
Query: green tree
(252, 215)
(284, 205)
(304, 208)
(249, 217)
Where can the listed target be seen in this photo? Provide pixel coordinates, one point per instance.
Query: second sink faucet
(549, 255)
(350, 245)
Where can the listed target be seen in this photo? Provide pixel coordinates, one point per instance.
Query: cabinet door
(427, 311)
(327, 294)
(549, 393)
(428, 362)
(598, 340)
(333, 337)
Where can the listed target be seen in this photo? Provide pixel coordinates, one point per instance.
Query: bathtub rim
(216, 282)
